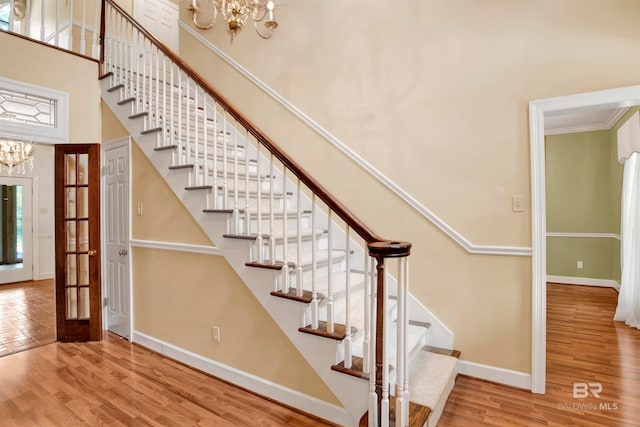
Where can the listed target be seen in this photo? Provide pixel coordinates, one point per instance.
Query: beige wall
(43, 66)
(437, 101)
(179, 296)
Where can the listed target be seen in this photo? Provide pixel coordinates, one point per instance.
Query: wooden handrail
(394, 248)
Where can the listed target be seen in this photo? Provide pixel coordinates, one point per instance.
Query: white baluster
(384, 406)
(132, 54)
(165, 125)
(196, 133)
(330, 316)
(83, 28)
(172, 112)
(314, 268)
(95, 50)
(205, 143)
(259, 243)
(179, 125)
(236, 177)
(187, 123)
(373, 397)
(367, 314)
(285, 258)
(70, 27)
(156, 104)
(42, 27)
(272, 239)
(347, 341)
(215, 159)
(27, 21)
(225, 187)
(143, 78)
(246, 189)
(405, 387)
(299, 289)
(56, 28)
(401, 420)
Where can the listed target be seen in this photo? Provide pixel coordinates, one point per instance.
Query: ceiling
(583, 121)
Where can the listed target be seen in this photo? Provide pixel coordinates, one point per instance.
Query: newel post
(379, 415)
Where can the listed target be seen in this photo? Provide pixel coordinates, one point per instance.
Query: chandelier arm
(258, 10)
(202, 27)
(267, 36)
(195, 10)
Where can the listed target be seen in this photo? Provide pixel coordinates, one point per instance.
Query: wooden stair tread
(126, 101)
(307, 296)
(443, 351)
(356, 370)
(339, 331)
(418, 415)
(275, 266)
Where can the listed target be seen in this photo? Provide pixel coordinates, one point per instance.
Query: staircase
(324, 277)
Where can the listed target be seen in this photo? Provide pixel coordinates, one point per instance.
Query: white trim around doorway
(538, 109)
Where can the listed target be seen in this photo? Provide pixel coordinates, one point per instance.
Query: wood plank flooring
(117, 384)
(27, 315)
(584, 345)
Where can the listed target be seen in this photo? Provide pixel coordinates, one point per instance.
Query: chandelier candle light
(237, 13)
(15, 154)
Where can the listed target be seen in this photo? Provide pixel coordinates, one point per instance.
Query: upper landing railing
(72, 25)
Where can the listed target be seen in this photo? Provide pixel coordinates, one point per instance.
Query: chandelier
(237, 13)
(15, 155)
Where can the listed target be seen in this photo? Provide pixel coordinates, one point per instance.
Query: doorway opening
(539, 111)
(16, 229)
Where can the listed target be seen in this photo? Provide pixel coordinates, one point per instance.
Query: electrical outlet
(580, 265)
(215, 333)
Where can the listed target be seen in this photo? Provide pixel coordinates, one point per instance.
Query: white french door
(117, 279)
(16, 231)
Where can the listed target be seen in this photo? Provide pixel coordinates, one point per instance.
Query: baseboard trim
(584, 281)
(246, 380)
(45, 276)
(178, 247)
(495, 374)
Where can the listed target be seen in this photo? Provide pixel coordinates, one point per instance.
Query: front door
(77, 226)
(116, 239)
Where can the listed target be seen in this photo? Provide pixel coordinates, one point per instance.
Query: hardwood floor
(584, 345)
(27, 315)
(115, 383)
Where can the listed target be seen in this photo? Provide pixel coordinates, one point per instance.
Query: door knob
(93, 253)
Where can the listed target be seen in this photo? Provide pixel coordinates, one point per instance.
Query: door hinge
(106, 302)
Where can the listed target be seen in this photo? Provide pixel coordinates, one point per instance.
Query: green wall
(584, 183)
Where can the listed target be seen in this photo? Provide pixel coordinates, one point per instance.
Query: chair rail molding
(619, 97)
(395, 188)
(585, 235)
(178, 247)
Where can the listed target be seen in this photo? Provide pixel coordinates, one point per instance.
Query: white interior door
(16, 233)
(116, 238)
(161, 18)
